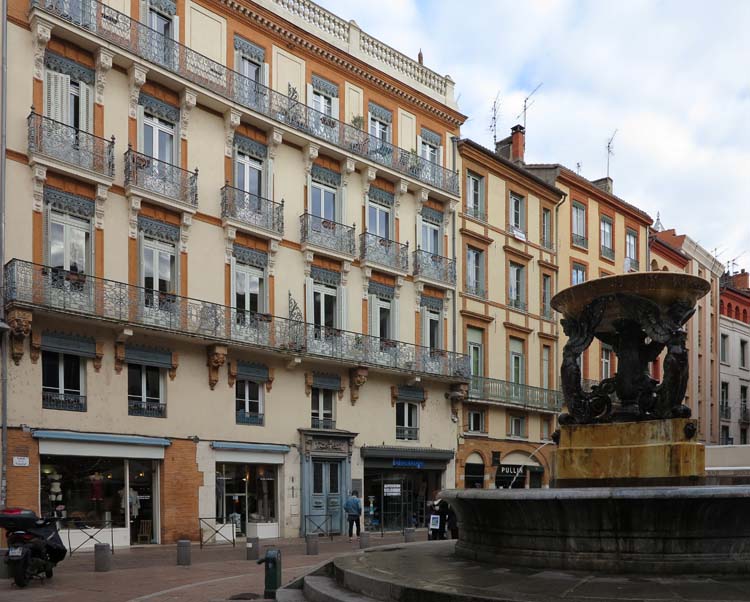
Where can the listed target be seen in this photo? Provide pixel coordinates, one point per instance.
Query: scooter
(34, 545)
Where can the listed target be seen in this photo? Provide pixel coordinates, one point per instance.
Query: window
(249, 292)
(429, 152)
(322, 103)
(322, 408)
(248, 176)
(724, 393)
(158, 139)
(743, 354)
(474, 475)
(605, 234)
(246, 494)
(475, 195)
(517, 426)
(725, 438)
(476, 421)
(547, 229)
(546, 429)
(517, 369)
(546, 366)
(431, 238)
(248, 397)
(474, 272)
(631, 244)
(606, 363)
(380, 129)
(381, 325)
(743, 394)
(323, 202)
(159, 274)
(324, 308)
(69, 102)
(69, 242)
(743, 436)
(146, 391)
(517, 214)
(474, 337)
(547, 296)
(379, 220)
(161, 50)
(407, 427)
(579, 225)
(432, 330)
(250, 69)
(578, 274)
(516, 290)
(63, 378)
(723, 349)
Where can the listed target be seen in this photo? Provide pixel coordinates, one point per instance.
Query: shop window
(146, 395)
(246, 497)
(476, 421)
(474, 476)
(63, 380)
(249, 402)
(407, 427)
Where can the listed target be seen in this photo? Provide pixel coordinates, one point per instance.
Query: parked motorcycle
(34, 545)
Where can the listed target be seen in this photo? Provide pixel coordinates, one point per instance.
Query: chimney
(741, 280)
(420, 58)
(605, 184)
(517, 143)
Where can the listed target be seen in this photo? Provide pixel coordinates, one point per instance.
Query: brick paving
(151, 574)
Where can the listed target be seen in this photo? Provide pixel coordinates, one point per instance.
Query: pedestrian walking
(353, 509)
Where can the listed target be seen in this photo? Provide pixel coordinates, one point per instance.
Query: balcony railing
(435, 267)
(547, 242)
(744, 414)
(476, 212)
(516, 302)
(477, 289)
(580, 241)
(547, 312)
(253, 418)
(37, 286)
(64, 143)
(149, 409)
(252, 210)
(63, 401)
(725, 412)
(407, 433)
(160, 177)
(327, 234)
(608, 252)
(523, 396)
(328, 424)
(631, 265)
(384, 252)
(136, 38)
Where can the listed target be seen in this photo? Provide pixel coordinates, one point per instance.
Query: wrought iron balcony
(516, 302)
(384, 252)
(725, 411)
(162, 178)
(63, 401)
(327, 234)
(744, 414)
(253, 418)
(328, 424)
(477, 289)
(149, 409)
(407, 433)
(34, 286)
(547, 312)
(547, 242)
(252, 210)
(521, 396)
(434, 267)
(57, 141)
(140, 40)
(476, 212)
(580, 241)
(608, 252)
(631, 265)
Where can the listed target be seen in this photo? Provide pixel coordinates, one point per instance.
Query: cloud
(671, 77)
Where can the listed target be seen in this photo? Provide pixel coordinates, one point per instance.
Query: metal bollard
(364, 540)
(410, 535)
(311, 541)
(183, 552)
(102, 557)
(272, 560)
(252, 548)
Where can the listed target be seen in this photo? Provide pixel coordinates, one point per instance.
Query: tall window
(324, 308)
(248, 174)
(724, 349)
(579, 225)
(250, 69)
(382, 315)
(474, 271)
(517, 368)
(475, 195)
(380, 129)
(476, 355)
(322, 408)
(517, 425)
(145, 390)
(63, 378)
(248, 397)
(158, 139)
(743, 354)
(407, 426)
(743, 394)
(546, 296)
(605, 233)
(159, 274)
(547, 228)
(546, 429)
(69, 245)
(631, 244)
(433, 338)
(476, 421)
(161, 50)
(428, 151)
(516, 290)
(322, 103)
(249, 291)
(68, 101)
(606, 367)
(379, 220)
(517, 214)
(546, 366)
(578, 274)
(323, 202)
(431, 238)
(724, 394)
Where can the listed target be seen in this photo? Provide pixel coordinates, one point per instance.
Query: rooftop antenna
(578, 167)
(493, 118)
(527, 104)
(610, 152)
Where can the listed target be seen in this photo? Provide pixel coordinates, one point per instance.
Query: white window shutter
(57, 96)
(86, 108)
(267, 183)
(440, 156)
(419, 146)
(266, 74)
(335, 107)
(176, 144)
(144, 14)
(369, 121)
(176, 28)
(236, 66)
(341, 307)
(264, 301)
(394, 319)
(141, 131)
(309, 307)
(367, 214)
(233, 284)
(309, 99)
(424, 321)
(372, 313)
(419, 231)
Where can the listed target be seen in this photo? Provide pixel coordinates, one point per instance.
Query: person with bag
(353, 509)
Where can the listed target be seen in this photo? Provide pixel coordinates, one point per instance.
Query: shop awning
(72, 443)
(249, 453)
(399, 458)
(254, 447)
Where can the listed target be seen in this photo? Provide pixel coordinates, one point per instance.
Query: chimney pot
(517, 143)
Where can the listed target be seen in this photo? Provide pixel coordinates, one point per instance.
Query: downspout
(454, 142)
(557, 247)
(4, 343)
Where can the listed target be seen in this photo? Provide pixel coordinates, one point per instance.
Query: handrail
(384, 251)
(161, 177)
(492, 389)
(434, 266)
(327, 233)
(204, 522)
(252, 209)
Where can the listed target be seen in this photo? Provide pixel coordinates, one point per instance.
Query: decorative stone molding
(41, 32)
(399, 284)
(175, 364)
(273, 248)
(119, 356)
(421, 197)
(136, 79)
(308, 383)
(357, 379)
(271, 377)
(231, 372)
(368, 176)
(275, 138)
(217, 355)
(346, 267)
(309, 154)
(188, 100)
(101, 197)
(35, 346)
(366, 275)
(307, 258)
(103, 65)
(231, 123)
(336, 446)
(98, 356)
(133, 210)
(230, 235)
(348, 167)
(187, 222)
(459, 393)
(39, 176)
(19, 321)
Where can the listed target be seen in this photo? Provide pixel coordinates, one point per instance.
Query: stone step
(325, 589)
(290, 595)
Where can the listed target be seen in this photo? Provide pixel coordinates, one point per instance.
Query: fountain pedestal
(657, 452)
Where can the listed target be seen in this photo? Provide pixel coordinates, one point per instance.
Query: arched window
(721, 307)
(474, 472)
(744, 315)
(729, 309)
(737, 312)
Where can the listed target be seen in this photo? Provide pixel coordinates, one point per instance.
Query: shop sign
(510, 470)
(434, 521)
(404, 463)
(20, 460)
(392, 489)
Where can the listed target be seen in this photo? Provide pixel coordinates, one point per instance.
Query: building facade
(231, 277)
(509, 271)
(734, 362)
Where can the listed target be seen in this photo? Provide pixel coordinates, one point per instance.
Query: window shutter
(309, 283)
(367, 214)
(235, 168)
(425, 327)
(86, 108)
(267, 184)
(176, 144)
(440, 155)
(144, 12)
(58, 95)
(372, 326)
(46, 241)
(237, 60)
(419, 146)
(264, 300)
(232, 284)
(309, 99)
(176, 28)
(335, 107)
(394, 318)
(419, 232)
(140, 134)
(266, 74)
(341, 307)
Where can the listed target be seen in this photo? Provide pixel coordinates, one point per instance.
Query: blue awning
(101, 438)
(251, 447)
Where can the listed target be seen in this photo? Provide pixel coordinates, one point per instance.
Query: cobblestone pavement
(150, 573)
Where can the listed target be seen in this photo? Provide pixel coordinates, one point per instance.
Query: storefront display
(246, 496)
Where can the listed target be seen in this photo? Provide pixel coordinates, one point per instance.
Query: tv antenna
(527, 104)
(610, 151)
(493, 118)
(578, 167)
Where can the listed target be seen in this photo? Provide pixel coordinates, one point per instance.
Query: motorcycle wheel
(21, 575)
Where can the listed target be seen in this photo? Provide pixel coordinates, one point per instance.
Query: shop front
(398, 485)
(101, 488)
(518, 471)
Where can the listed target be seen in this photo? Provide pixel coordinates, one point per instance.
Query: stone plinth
(665, 450)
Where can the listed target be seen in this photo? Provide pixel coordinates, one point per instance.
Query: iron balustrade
(38, 286)
(547, 243)
(522, 396)
(327, 234)
(62, 142)
(137, 38)
(253, 210)
(435, 267)
(608, 252)
(631, 264)
(407, 433)
(63, 401)
(580, 241)
(725, 411)
(253, 418)
(516, 302)
(160, 177)
(328, 424)
(384, 252)
(476, 289)
(149, 409)
(476, 212)
(744, 413)
(547, 312)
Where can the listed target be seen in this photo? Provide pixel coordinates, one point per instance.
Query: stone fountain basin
(649, 530)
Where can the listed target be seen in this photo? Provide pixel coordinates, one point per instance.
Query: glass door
(248, 303)
(142, 479)
(69, 250)
(249, 179)
(325, 335)
(159, 282)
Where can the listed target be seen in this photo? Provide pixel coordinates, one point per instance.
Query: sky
(672, 78)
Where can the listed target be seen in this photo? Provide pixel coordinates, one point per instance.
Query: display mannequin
(97, 486)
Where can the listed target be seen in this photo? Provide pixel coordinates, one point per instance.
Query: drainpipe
(454, 142)
(3, 326)
(557, 221)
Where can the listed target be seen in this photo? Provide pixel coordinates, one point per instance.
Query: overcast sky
(673, 78)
